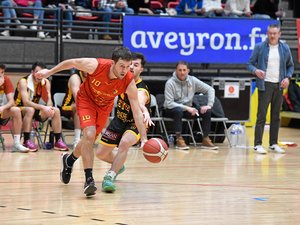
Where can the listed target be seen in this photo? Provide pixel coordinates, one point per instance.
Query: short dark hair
(2, 66)
(138, 55)
(121, 53)
(182, 63)
(38, 64)
(274, 25)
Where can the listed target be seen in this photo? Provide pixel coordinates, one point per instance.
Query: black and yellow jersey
(123, 111)
(39, 90)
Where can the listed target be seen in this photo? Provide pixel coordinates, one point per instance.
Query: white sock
(17, 21)
(17, 138)
(111, 173)
(77, 134)
(34, 22)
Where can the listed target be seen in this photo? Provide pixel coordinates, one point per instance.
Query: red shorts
(91, 114)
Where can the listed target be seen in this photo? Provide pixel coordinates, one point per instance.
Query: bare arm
(136, 111)
(10, 102)
(48, 88)
(74, 84)
(88, 65)
(144, 98)
(22, 86)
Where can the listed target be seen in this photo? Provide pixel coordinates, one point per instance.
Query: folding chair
(157, 119)
(222, 120)
(160, 100)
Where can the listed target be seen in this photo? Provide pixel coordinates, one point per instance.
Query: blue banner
(195, 40)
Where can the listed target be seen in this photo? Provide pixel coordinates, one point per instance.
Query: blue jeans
(106, 17)
(8, 13)
(38, 13)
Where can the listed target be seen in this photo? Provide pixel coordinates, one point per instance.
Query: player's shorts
(68, 113)
(115, 131)
(90, 114)
(3, 122)
(37, 116)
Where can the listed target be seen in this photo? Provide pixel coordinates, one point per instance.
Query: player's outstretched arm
(88, 65)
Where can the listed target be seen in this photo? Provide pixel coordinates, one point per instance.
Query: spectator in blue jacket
(190, 7)
(272, 64)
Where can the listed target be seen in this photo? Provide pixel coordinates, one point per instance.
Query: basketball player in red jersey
(105, 80)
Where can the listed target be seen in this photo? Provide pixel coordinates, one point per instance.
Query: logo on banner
(232, 90)
(298, 32)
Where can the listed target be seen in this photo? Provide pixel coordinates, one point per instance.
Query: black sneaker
(90, 188)
(65, 172)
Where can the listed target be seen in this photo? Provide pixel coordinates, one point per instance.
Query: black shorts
(115, 131)
(3, 122)
(37, 116)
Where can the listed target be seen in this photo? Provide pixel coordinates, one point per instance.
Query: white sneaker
(260, 149)
(276, 148)
(22, 27)
(41, 35)
(20, 148)
(33, 27)
(67, 36)
(5, 33)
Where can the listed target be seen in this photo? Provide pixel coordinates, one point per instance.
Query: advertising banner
(298, 32)
(193, 39)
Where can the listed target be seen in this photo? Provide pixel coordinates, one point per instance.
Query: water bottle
(171, 141)
(233, 134)
(242, 137)
(32, 136)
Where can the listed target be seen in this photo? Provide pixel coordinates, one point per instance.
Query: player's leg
(15, 114)
(129, 138)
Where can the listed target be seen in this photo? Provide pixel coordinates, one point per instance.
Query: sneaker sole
(90, 191)
(210, 148)
(109, 189)
(61, 168)
(260, 152)
(182, 148)
(21, 151)
(61, 149)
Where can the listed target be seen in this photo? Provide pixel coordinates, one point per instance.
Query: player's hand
(49, 111)
(143, 143)
(44, 73)
(147, 120)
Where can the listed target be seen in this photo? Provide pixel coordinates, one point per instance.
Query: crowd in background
(112, 10)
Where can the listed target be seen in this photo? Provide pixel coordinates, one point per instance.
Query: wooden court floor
(229, 186)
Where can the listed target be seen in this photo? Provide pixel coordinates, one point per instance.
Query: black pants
(177, 114)
(272, 95)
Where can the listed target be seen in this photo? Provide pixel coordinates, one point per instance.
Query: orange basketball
(155, 150)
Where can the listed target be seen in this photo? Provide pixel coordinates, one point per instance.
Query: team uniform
(36, 92)
(123, 121)
(95, 98)
(5, 89)
(68, 101)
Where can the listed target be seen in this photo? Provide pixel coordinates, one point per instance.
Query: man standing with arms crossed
(95, 99)
(272, 64)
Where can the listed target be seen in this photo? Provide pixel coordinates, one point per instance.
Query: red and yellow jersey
(6, 88)
(100, 89)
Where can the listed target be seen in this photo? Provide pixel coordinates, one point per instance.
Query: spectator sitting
(67, 13)
(38, 14)
(68, 107)
(179, 92)
(140, 7)
(266, 9)
(238, 8)
(30, 90)
(213, 8)
(190, 7)
(8, 110)
(9, 14)
(112, 9)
